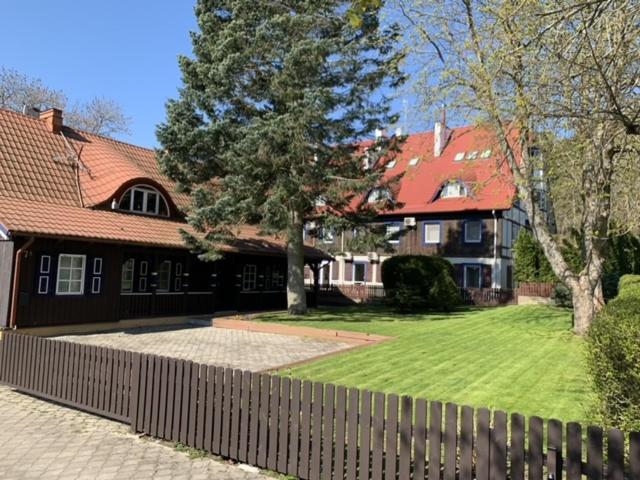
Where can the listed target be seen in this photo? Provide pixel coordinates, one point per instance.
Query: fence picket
(435, 440)
(209, 413)
(193, 404)
(535, 458)
(305, 431)
(236, 403)
(574, 451)
(254, 418)
(316, 431)
(482, 444)
(162, 407)
(364, 457)
(352, 433)
(202, 400)
(157, 375)
(391, 452)
(406, 418)
(420, 439)
(634, 456)
(177, 401)
(283, 426)
(594, 453)
(466, 443)
(274, 407)
(554, 449)
(226, 412)
(498, 447)
(263, 438)
(615, 455)
(244, 418)
(341, 425)
(450, 441)
(328, 431)
(294, 434)
(217, 411)
(516, 449)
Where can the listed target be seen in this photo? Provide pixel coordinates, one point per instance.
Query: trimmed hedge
(613, 358)
(418, 282)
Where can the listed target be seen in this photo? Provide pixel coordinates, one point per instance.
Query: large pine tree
(264, 130)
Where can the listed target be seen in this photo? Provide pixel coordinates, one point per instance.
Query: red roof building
(456, 198)
(90, 231)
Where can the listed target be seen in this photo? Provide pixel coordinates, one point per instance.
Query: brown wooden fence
(312, 430)
(535, 289)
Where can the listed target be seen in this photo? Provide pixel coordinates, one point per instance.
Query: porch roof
(22, 217)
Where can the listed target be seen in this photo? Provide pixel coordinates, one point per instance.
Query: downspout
(495, 249)
(16, 282)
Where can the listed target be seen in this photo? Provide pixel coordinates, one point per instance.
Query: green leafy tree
(266, 126)
(530, 263)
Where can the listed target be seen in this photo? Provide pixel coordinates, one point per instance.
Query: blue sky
(124, 50)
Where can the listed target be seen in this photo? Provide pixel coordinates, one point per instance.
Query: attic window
(459, 156)
(378, 195)
(486, 154)
(144, 200)
(472, 155)
(391, 164)
(414, 161)
(454, 189)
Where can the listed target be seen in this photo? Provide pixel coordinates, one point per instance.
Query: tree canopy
(265, 131)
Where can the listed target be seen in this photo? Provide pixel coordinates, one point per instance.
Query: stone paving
(43, 440)
(216, 346)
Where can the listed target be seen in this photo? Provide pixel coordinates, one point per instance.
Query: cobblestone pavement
(43, 440)
(215, 346)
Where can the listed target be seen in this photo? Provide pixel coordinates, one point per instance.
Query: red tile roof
(489, 180)
(39, 192)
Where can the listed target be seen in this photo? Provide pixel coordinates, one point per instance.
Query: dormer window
(454, 189)
(145, 200)
(378, 195)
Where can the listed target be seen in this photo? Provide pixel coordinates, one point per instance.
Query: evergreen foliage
(530, 263)
(274, 100)
(613, 355)
(418, 282)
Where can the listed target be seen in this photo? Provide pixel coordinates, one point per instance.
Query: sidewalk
(43, 440)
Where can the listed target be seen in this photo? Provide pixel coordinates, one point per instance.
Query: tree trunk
(584, 306)
(296, 296)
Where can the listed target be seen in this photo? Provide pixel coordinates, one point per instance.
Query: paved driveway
(215, 346)
(43, 440)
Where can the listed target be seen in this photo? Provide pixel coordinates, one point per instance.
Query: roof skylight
(391, 164)
(459, 156)
(486, 154)
(472, 155)
(414, 161)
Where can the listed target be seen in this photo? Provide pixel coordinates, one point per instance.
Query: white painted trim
(84, 271)
(137, 294)
(4, 235)
(482, 260)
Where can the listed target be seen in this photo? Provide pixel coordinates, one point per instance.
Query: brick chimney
(440, 135)
(53, 119)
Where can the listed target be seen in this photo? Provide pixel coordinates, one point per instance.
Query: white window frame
(393, 241)
(159, 289)
(364, 274)
(132, 270)
(454, 190)
(391, 164)
(479, 268)
(426, 237)
(466, 238)
(97, 266)
(414, 161)
(43, 290)
(328, 235)
(42, 259)
(96, 284)
(142, 284)
(145, 190)
(144, 271)
(249, 277)
(83, 270)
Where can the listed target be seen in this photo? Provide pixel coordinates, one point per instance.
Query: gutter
(495, 247)
(16, 282)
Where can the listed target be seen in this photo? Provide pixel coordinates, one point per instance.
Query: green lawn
(519, 358)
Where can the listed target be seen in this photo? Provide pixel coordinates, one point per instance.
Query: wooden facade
(127, 282)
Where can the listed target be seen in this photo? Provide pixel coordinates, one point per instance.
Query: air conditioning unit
(348, 256)
(410, 222)
(373, 257)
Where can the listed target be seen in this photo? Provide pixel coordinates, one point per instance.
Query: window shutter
(94, 276)
(46, 269)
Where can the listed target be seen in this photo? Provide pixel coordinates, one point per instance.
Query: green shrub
(418, 282)
(613, 358)
(562, 296)
(530, 263)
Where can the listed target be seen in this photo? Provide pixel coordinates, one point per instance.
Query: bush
(418, 282)
(562, 296)
(613, 358)
(530, 263)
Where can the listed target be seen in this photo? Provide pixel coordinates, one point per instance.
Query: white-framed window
(378, 195)
(71, 270)
(359, 272)
(486, 153)
(392, 232)
(328, 235)
(45, 264)
(96, 284)
(97, 266)
(432, 232)
(473, 231)
(164, 276)
(126, 284)
(454, 190)
(142, 284)
(249, 277)
(144, 199)
(472, 155)
(473, 276)
(43, 285)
